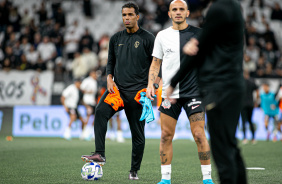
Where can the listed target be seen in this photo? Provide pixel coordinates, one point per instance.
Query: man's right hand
(150, 92)
(111, 84)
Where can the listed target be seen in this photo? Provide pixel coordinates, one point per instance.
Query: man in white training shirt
(70, 99)
(168, 52)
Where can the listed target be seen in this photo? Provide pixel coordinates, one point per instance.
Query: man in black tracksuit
(128, 66)
(218, 55)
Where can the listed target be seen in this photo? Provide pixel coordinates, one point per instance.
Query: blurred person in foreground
(168, 54)
(270, 109)
(127, 74)
(70, 99)
(248, 106)
(218, 56)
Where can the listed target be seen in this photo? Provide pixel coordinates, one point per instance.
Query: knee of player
(199, 136)
(166, 136)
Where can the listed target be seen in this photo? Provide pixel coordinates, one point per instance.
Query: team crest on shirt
(136, 44)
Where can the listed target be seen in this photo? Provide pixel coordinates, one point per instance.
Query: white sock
(119, 133)
(275, 132)
(206, 171)
(91, 131)
(67, 133)
(166, 171)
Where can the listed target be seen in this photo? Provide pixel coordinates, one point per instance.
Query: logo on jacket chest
(136, 44)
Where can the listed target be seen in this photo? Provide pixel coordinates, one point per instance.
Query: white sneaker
(111, 135)
(120, 138)
(67, 134)
(84, 133)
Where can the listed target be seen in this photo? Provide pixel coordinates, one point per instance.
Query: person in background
(89, 88)
(111, 134)
(70, 99)
(270, 109)
(248, 106)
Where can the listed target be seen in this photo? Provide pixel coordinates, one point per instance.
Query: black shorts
(90, 110)
(74, 111)
(190, 105)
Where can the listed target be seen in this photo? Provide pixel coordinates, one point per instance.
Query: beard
(179, 21)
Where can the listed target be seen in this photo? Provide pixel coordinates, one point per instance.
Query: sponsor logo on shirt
(194, 107)
(169, 51)
(194, 102)
(120, 44)
(136, 44)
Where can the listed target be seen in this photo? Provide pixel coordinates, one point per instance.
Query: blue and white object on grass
(91, 171)
(163, 181)
(208, 181)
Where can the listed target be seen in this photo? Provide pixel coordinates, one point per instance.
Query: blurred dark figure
(87, 8)
(269, 72)
(46, 27)
(42, 12)
(40, 65)
(261, 67)
(13, 60)
(24, 65)
(261, 3)
(55, 6)
(248, 106)
(56, 36)
(37, 40)
(269, 54)
(278, 69)
(60, 17)
(269, 36)
(162, 9)
(33, 29)
(7, 65)
(14, 18)
(26, 33)
(8, 31)
(276, 13)
(4, 13)
(86, 40)
(17, 51)
(218, 56)
(11, 41)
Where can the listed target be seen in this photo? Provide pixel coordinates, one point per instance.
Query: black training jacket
(129, 60)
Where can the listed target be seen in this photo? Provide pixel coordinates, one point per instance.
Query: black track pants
(133, 111)
(223, 118)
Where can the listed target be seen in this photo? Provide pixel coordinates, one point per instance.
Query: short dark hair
(131, 5)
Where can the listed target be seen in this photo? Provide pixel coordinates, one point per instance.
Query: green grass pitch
(55, 160)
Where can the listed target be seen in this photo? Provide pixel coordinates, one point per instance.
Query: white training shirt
(71, 95)
(89, 84)
(165, 47)
(168, 47)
